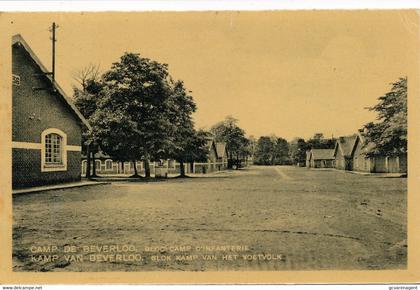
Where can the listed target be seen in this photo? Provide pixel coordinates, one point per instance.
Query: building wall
(172, 166)
(340, 162)
(397, 164)
(212, 157)
(36, 110)
(26, 169)
(328, 163)
(363, 164)
(380, 164)
(393, 164)
(403, 163)
(33, 111)
(360, 161)
(221, 164)
(322, 163)
(308, 159)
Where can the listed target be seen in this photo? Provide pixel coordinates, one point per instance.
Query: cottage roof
(322, 154)
(346, 145)
(221, 149)
(209, 144)
(361, 136)
(18, 39)
(366, 148)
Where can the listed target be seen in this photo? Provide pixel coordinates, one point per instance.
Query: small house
(365, 160)
(104, 164)
(308, 158)
(321, 158)
(210, 164)
(222, 156)
(343, 152)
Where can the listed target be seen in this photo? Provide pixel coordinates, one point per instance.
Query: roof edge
(17, 38)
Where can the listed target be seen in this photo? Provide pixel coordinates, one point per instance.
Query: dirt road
(261, 218)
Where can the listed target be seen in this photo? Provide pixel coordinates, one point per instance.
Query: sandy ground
(260, 218)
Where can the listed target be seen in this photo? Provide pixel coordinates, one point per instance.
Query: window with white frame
(98, 164)
(53, 149)
(108, 164)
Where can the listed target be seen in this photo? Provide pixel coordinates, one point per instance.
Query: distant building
(308, 158)
(216, 161)
(105, 165)
(343, 152)
(320, 158)
(222, 159)
(361, 160)
(353, 153)
(366, 161)
(210, 165)
(46, 126)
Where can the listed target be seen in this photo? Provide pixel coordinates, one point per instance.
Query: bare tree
(85, 76)
(89, 72)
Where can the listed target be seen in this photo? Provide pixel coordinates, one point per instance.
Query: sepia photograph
(210, 141)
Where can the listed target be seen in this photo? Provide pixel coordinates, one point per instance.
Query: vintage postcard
(210, 147)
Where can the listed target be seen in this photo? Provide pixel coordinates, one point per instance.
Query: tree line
(388, 133)
(273, 150)
(138, 112)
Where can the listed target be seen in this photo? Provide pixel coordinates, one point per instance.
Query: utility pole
(53, 28)
(52, 72)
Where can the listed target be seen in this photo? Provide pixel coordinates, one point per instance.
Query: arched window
(54, 155)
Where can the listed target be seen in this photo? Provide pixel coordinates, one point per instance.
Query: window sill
(50, 168)
(53, 165)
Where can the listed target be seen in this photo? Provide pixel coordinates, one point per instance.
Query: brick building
(46, 126)
(216, 161)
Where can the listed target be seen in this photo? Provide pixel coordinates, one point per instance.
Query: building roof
(361, 136)
(369, 148)
(209, 144)
(346, 145)
(221, 149)
(18, 39)
(366, 148)
(322, 154)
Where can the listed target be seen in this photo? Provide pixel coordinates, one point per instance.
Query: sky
(291, 74)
